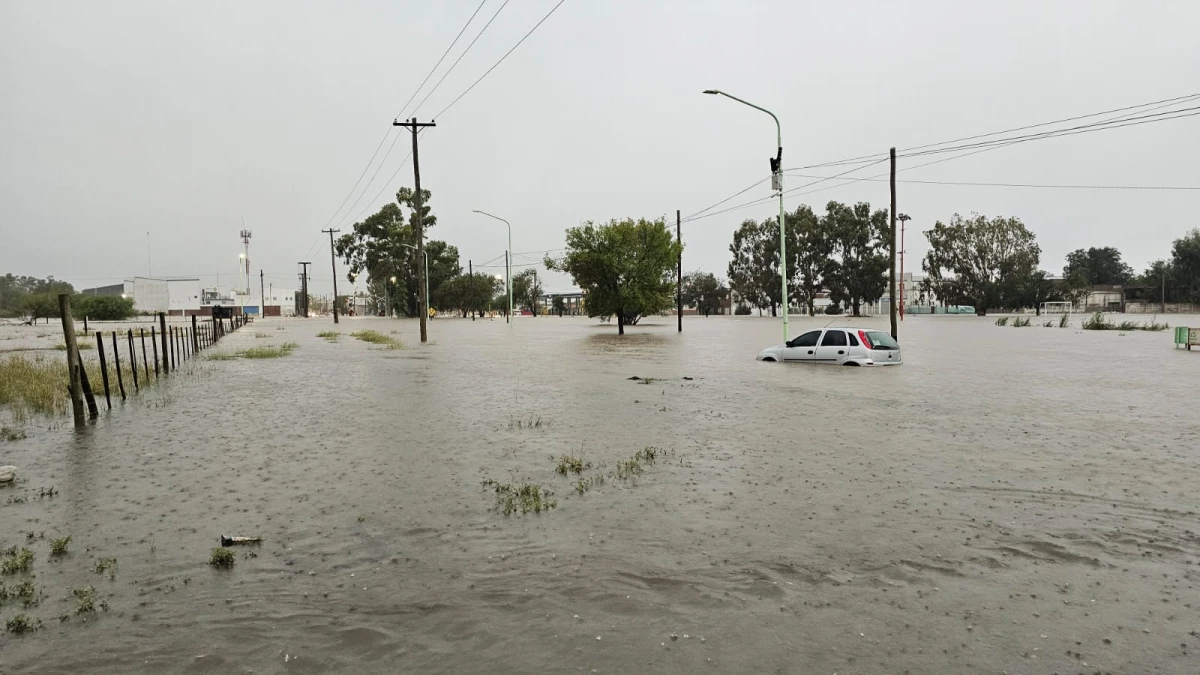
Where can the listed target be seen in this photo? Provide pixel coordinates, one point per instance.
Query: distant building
(174, 295)
(1103, 298)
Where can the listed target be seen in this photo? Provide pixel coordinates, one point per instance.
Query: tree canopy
(982, 255)
(527, 288)
(1094, 266)
(624, 267)
(704, 291)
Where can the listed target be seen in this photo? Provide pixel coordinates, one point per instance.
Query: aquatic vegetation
(222, 558)
(523, 498)
(58, 547)
(16, 560)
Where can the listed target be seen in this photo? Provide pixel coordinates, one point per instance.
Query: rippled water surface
(1010, 500)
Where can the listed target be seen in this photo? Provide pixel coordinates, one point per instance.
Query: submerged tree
(858, 239)
(625, 267)
(527, 288)
(704, 291)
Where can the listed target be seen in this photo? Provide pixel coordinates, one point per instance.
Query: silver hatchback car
(839, 347)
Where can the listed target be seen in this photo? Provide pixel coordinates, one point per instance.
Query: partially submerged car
(839, 347)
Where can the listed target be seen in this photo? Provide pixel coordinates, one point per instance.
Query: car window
(853, 340)
(834, 338)
(882, 340)
(807, 340)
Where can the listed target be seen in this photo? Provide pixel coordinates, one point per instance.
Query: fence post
(73, 364)
(117, 363)
(195, 340)
(103, 367)
(154, 343)
(88, 396)
(133, 363)
(145, 362)
(162, 325)
(171, 348)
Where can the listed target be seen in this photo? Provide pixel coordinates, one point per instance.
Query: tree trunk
(1038, 309)
(773, 314)
(620, 323)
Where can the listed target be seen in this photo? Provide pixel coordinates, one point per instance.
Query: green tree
(557, 304)
(40, 306)
(981, 255)
(527, 288)
(754, 269)
(858, 240)
(810, 247)
(15, 291)
(102, 307)
(1185, 262)
(1093, 266)
(1031, 290)
(376, 246)
(1160, 282)
(625, 267)
(704, 291)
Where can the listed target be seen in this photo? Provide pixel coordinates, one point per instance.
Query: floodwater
(1008, 501)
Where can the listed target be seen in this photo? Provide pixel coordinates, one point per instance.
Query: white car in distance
(839, 347)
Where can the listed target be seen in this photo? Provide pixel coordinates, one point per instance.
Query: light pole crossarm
(508, 261)
(778, 127)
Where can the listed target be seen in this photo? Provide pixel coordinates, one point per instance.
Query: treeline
(31, 298)
(994, 263)
(844, 251)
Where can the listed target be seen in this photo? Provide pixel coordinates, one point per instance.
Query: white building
(174, 295)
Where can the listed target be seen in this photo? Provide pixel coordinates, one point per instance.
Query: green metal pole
(783, 277)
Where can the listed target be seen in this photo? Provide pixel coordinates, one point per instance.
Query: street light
(426, 275)
(387, 294)
(776, 184)
(507, 261)
(903, 218)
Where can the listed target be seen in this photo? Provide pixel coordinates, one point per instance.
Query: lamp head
(711, 91)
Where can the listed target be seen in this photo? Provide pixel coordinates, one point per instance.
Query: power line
(389, 129)
(736, 194)
(497, 63)
(443, 58)
(460, 58)
(1024, 185)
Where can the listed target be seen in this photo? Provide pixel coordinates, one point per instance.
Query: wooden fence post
(88, 396)
(195, 338)
(117, 363)
(103, 367)
(133, 362)
(162, 325)
(171, 347)
(154, 343)
(145, 363)
(73, 364)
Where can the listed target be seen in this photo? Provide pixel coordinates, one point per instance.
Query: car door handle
(841, 351)
(810, 351)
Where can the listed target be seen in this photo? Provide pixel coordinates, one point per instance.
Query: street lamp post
(426, 275)
(903, 218)
(776, 184)
(387, 294)
(507, 263)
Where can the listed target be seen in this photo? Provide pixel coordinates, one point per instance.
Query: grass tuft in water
(1098, 322)
(270, 352)
(531, 423)
(58, 547)
(568, 465)
(583, 485)
(376, 338)
(22, 623)
(85, 600)
(222, 558)
(1002, 321)
(523, 498)
(330, 335)
(11, 433)
(1064, 321)
(106, 565)
(16, 560)
(1021, 322)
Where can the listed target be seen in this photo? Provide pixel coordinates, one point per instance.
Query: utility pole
(304, 287)
(333, 262)
(892, 237)
(414, 127)
(903, 221)
(679, 272)
(508, 282)
(471, 276)
(1163, 297)
(262, 311)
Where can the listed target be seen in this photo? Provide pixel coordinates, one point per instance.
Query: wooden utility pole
(471, 277)
(333, 262)
(262, 312)
(679, 272)
(892, 246)
(414, 126)
(304, 286)
(73, 365)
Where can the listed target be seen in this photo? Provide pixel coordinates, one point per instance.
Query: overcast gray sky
(181, 119)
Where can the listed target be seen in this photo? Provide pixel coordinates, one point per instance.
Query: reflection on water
(1003, 485)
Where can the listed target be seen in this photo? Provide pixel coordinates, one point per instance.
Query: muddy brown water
(1009, 500)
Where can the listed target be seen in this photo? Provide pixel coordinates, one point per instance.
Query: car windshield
(881, 340)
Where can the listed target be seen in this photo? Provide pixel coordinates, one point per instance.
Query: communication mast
(246, 258)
